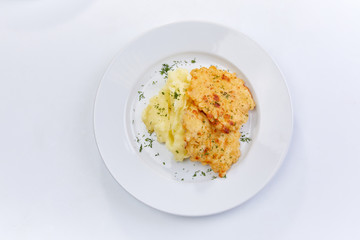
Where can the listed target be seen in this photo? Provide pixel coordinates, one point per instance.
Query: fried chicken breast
(217, 106)
(222, 96)
(207, 144)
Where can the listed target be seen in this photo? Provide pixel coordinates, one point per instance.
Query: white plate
(159, 181)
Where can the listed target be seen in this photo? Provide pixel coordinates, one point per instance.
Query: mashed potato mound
(165, 112)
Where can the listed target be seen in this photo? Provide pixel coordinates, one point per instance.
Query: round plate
(146, 169)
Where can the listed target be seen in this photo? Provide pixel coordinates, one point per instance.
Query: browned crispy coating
(217, 105)
(222, 96)
(207, 144)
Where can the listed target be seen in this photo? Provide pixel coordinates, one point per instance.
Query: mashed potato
(164, 113)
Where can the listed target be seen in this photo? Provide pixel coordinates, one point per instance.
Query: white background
(53, 182)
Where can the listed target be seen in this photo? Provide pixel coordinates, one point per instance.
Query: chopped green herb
(195, 174)
(150, 141)
(182, 179)
(245, 139)
(141, 95)
(163, 163)
(213, 177)
(141, 147)
(226, 95)
(177, 151)
(193, 61)
(165, 69)
(176, 95)
(157, 154)
(202, 173)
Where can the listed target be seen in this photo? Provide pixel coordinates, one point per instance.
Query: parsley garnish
(245, 139)
(196, 173)
(176, 95)
(140, 148)
(193, 61)
(150, 141)
(165, 69)
(141, 95)
(225, 94)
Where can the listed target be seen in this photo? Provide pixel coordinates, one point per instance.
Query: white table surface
(53, 182)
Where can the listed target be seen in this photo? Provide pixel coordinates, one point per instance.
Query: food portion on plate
(165, 111)
(199, 115)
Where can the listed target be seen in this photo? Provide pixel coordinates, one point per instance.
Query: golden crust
(207, 144)
(222, 96)
(217, 105)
